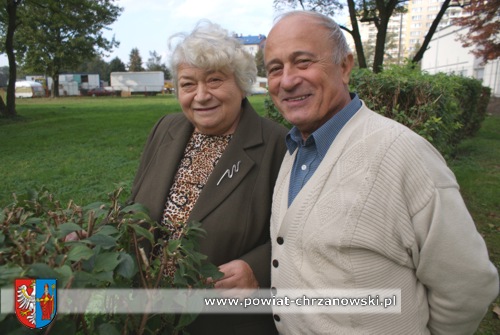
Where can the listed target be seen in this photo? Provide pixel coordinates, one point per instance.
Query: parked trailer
(29, 89)
(146, 82)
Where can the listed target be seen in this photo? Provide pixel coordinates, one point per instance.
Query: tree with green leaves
(48, 36)
(135, 61)
(116, 65)
(376, 12)
(155, 64)
(59, 35)
(259, 61)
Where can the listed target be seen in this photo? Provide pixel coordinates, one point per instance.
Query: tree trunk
(3, 107)
(420, 53)
(356, 36)
(55, 85)
(10, 111)
(385, 13)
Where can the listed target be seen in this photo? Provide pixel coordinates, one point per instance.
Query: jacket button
(275, 263)
(280, 240)
(276, 317)
(274, 290)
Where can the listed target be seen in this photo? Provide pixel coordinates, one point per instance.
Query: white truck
(145, 82)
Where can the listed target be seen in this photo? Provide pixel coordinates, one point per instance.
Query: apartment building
(406, 31)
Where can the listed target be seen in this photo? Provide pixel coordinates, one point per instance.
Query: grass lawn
(79, 148)
(477, 168)
(82, 148)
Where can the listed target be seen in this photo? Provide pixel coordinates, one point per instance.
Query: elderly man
(362, 202)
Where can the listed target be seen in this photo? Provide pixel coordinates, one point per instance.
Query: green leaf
(127, 267)
(64, 274)
(64, 325)
(94, 206)
(142, 232)
(42, 270)
(107, 329)
(106, 261)
(34, 221)
(209, 270)
(80, 252)
(105, 277)
(172, 246)
(179, 279)
(68, 227)
(8, 273)
(84, 279)
(185, 319)
(103, 241)
(107, 230)
(136, 207)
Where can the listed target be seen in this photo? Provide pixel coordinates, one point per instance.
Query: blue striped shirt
(312, 151)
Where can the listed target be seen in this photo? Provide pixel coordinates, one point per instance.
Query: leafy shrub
(442, 108)
(110, 255)
(273, 113)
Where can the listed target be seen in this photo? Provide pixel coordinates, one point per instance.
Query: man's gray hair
(339, 44)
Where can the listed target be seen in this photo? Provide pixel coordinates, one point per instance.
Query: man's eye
(303, 63)
(274, 70)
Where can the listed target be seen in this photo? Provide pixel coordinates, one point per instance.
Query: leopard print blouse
(200, 157)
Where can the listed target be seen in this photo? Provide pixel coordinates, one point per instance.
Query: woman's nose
(202, 93)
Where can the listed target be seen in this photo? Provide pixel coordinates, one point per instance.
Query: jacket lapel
(171, 150)
(233, 165)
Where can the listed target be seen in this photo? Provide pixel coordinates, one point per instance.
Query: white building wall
(446, 54)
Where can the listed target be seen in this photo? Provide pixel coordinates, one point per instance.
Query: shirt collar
(323, 136)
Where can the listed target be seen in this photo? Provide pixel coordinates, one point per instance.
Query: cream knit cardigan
(381, 211)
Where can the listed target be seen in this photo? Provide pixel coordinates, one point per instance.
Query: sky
(147, 24)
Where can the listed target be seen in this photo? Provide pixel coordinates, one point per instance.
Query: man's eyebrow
(293, 56)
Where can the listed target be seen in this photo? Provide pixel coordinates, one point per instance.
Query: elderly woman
(216, 163)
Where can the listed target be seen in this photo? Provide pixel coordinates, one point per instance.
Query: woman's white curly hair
(212, 48)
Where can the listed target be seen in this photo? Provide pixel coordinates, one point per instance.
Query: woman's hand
(238, 275)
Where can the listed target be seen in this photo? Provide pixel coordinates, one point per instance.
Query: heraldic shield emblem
(35, 301)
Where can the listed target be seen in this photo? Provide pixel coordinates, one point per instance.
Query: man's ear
(347, 66)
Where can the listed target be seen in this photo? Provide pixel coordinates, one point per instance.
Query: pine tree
(135, 63)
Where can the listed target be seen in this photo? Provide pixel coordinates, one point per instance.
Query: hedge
(442, 108)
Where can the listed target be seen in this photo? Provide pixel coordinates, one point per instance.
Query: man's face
(304, 83)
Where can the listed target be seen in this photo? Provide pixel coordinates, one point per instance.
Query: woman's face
(211, 100)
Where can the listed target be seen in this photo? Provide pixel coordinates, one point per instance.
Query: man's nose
(290, 78)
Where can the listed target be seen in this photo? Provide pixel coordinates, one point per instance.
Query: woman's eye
(187, 86)
(215, 82)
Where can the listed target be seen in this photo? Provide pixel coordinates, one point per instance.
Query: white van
(29, 89)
